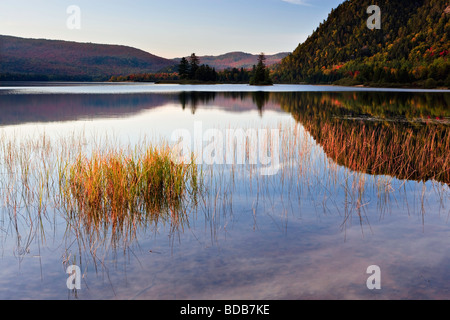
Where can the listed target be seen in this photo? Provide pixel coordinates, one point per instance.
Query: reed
(104, 191)
(109, 192)
(121, 190)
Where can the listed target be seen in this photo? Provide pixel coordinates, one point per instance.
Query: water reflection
(359, 170)
(404, 136)
(46, 108)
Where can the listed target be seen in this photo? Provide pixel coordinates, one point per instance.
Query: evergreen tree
(194, 65)
(184, 69)
(261, 75)
(205, 73)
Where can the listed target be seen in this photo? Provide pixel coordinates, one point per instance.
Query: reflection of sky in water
(281, 238)
(155, 124)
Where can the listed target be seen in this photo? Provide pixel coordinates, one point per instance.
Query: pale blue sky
(172, 28)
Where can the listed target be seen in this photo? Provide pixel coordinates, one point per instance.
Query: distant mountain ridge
(237, 60)
(42, 59)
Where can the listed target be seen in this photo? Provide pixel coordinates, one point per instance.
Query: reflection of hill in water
(18, 109)
(401, 142)
(29, 108)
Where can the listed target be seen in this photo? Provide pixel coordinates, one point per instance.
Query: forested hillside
(39, 59)
(411, 48)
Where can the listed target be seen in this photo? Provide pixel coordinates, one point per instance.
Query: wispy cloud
(298, 2)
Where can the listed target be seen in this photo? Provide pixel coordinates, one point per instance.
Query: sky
(170, 28)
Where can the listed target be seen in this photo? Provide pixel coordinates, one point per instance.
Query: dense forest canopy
(40, 59)
(410, 48)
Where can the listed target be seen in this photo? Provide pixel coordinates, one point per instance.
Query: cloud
(298, 2)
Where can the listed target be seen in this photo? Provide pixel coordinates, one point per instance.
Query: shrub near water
(116, 188)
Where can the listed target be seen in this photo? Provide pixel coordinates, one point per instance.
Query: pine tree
(194, 65)
(184, 69)
(261, 75)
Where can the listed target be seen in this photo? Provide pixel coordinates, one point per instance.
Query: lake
(305, 188)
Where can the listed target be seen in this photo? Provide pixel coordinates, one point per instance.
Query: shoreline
(26, 83)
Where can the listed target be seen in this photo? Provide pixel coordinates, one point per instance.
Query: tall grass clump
(123, 190)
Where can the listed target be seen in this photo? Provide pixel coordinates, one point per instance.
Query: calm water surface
(310, 231)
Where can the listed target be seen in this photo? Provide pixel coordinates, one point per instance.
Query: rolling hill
(63, 60)
(411, 48)
(237, 60)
